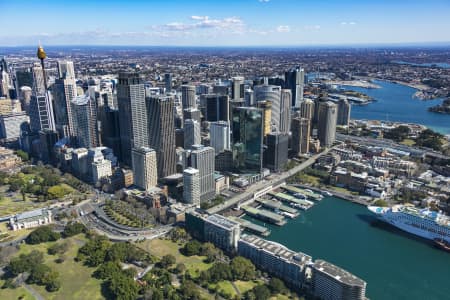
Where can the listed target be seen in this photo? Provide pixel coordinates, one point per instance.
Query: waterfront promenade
(277, 180)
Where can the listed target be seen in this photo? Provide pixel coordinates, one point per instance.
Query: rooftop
(222, 221)
(339, 274)
(278, 250)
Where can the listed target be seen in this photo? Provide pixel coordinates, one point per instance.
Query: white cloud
(311, 27)
(205, 22)
(263, 1)
(283, 28)
(348, 23)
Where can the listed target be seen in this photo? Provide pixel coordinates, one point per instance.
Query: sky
(223, 23)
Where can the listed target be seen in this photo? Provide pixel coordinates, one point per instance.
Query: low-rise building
(31, 219)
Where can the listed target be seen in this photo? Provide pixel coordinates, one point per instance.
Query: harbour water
(394, 102)
(395, 265)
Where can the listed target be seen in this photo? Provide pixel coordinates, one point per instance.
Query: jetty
(264, 215)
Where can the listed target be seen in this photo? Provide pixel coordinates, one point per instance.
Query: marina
(264, 215)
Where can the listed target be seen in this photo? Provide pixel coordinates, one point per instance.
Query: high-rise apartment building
(191, 186)
(266, 106)
(66, 69)
(191, 133)
(144, 168)
(202, 159)
(276, 154)
(327, 123)
(132, 114)
(41, 107)
(161, 124)
(219, 135)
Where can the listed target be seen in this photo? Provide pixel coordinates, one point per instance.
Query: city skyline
(231, 23)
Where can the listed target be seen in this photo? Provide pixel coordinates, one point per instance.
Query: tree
(94, 251)
(277, 286)
(188, 290)
(242, 268)
(57, 192)
(60, 248)
(398, 134)
(73, 228)
(192, 248)
(23, 155)
(219, 271)
(261, 292)
(106, 270)
(41, 235)
(25, 262)
(167, 261)
(180, 268)
(123, 287)
(381, 202)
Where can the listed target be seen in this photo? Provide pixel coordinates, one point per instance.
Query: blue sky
(223, 23)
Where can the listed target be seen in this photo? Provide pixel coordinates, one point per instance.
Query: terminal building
(275, 259)
(330, 282)
(30, 219)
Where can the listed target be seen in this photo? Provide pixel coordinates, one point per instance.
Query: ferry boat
(425, 223)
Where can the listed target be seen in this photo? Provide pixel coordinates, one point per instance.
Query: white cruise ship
(422, 222)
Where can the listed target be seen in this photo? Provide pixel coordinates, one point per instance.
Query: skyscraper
(84, 114)
(237, 88)
(344, 109)
(219, 135)
(188, 96)
(66, 69)
(248, 138)
(202, 159)
(168, 82)
(217, 108)
(191, 133)
(300, 135)
(132, 114)
(294, 80)
(249, 98)
(276, 154)
(4, 79)
(64, 91)
(41, 108)
(307, 109)
(191, 186)
(161, 124)
(144, 168)
(327, 123)
(266, 106)
(270, 93)
(285, 111)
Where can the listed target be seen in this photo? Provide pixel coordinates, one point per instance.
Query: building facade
(327, 123)
(144, 168)
(191, 186)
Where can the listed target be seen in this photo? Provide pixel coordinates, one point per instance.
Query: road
(277, 179)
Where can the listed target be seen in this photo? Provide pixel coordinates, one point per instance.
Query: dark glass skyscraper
(248, 138)
(217, 108)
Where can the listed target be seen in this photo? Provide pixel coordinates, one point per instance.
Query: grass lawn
(13, 294)
(313, 180)
(226, 287)
(12, 235)
(160, 247)
(76, 279)
(408, 142)
(245, 286)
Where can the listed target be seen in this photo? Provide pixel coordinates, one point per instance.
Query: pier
(264, 215)
(252, 227)
(303, 204)
(309, 194)
(277, 206)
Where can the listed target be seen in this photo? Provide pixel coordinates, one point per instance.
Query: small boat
(441, 244)
(327, 193)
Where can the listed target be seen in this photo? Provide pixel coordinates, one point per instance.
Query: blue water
(395, 103)
(439, 64)
(395, 265)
